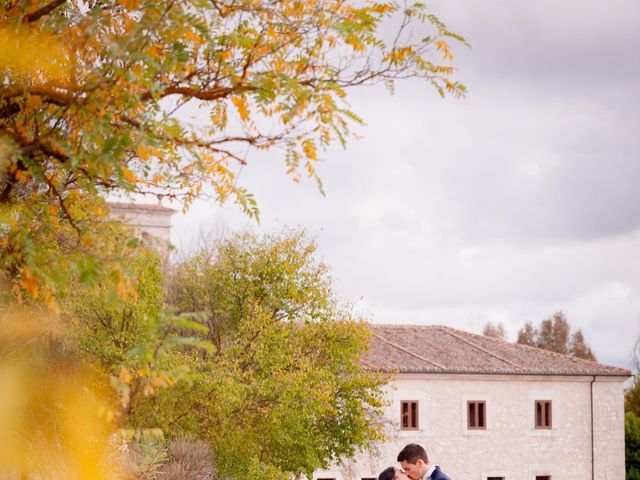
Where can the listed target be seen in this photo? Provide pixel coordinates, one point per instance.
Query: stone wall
(510, 447)
(152, 221)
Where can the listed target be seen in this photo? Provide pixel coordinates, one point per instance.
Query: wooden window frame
(545, 420)
(413, 421)
(477, 417)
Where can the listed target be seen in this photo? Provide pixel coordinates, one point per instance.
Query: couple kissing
(415, 465)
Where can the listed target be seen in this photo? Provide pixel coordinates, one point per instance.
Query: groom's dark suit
(438, 475)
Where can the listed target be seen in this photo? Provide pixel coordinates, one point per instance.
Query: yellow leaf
(143, 152)
(195, 38)
(309, 149)
(241, 105)
(130, 4)
(443, 47)
(155, 51)
(129, 175)
(35, 55)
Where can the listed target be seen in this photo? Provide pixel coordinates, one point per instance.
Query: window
(543, 415)
(495, 478)
(369, 478)
(543, 477)
(476, 415)
(409, 415)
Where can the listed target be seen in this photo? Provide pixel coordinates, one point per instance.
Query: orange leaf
(241, 105)
(309, 149)
(30, 283)
(143, 152)
(129, 175)
(125, 375)
(130, 4)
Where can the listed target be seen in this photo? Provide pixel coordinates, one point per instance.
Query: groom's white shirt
(429, 472)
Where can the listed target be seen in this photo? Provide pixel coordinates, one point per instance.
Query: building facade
(486, 409)
(153, 222)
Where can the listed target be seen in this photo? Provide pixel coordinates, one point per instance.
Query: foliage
(632, 446)
(495, 331)
(94, 111)
(56, 417)
(578, 346)
(632, 398)
(132, 338)
(554, 334)
(632, 394)
(283, 391)
(107, 325)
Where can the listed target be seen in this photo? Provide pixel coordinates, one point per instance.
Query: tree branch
(9, 110)
(53, 96)
(211, 94)
(41, 12)
(63, 206)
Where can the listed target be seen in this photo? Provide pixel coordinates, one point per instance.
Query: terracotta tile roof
(437, 349)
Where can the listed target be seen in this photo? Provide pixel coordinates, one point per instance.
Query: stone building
(486, 409)
(152, 221)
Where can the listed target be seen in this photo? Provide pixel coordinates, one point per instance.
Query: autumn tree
(632, 398)
(91, 107)
(283, 392)
(554, 334)
(494, 330)
(632, 394)
(578, 346)
(527, 335)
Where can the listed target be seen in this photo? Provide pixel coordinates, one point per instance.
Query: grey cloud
(514, 203)
(573, 42)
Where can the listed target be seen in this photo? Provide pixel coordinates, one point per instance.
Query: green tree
(131, 339)
(283, 392)
(632, 446)
(89, 106)
(108, 326)
(554, 334)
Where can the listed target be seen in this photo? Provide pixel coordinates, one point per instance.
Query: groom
(415, 463)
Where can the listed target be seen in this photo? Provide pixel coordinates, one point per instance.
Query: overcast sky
(507, 206)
